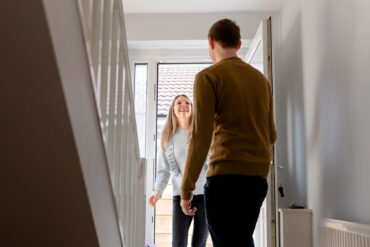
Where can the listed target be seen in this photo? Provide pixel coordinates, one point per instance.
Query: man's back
(233, 114)
(243, 121)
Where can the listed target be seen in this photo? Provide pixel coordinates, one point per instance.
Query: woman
(174, 144)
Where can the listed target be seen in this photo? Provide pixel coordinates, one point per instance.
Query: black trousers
(181, 223)
(233, 205)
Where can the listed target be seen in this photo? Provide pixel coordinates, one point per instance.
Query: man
(233, 109)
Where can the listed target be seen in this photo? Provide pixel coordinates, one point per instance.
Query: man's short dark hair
(226, 32)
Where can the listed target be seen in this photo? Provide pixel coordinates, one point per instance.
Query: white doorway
(148, 53)
(172, 79)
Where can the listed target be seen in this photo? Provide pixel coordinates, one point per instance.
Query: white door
(259, 56)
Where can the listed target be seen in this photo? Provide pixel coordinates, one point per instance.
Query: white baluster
(112, 117)
(105, 63)
(96, 45)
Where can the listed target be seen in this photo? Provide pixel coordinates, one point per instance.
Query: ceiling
(198, 6)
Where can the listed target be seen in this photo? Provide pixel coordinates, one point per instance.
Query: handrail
(105, 38)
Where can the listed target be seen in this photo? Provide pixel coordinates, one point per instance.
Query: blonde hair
(171, 123)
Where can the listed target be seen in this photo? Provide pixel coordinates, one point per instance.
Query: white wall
(162, 54)
(186, 26)
(289, 107)
(323, 59)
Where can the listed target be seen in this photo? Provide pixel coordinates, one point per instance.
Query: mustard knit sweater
(233, 119)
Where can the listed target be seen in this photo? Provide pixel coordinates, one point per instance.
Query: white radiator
(336, 233)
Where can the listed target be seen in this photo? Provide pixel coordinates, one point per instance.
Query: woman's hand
(154, 198)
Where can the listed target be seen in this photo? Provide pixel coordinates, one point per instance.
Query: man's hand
(185, 206)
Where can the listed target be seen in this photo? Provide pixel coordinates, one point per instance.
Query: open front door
(259, 56)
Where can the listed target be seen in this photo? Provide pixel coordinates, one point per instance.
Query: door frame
(151, 130)
(264, 35)
(153, 62)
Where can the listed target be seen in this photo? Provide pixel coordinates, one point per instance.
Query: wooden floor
(163, 224)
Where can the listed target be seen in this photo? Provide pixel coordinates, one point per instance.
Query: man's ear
(211, 43)
(239, 45)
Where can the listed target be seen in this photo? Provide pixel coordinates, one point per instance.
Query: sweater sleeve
(163, 173)
(202, 130)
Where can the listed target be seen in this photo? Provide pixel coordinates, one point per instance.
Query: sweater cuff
(186, 195)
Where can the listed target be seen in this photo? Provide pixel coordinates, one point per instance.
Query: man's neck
(222, 54)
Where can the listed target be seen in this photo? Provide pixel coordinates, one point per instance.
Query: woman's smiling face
(182, 107)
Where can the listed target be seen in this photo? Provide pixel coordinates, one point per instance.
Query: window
(140, 89)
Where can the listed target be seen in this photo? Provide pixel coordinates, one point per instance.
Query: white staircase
(70, 168)
(105, 39)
